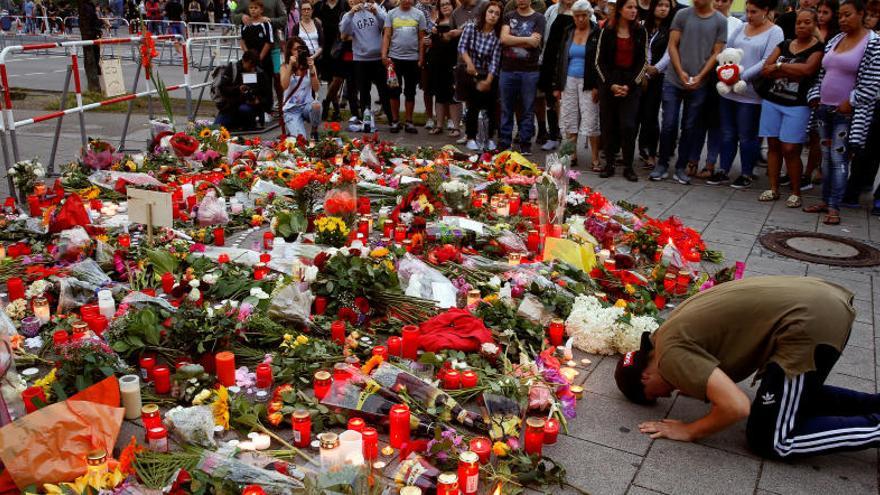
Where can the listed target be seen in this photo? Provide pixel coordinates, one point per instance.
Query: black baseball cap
(628, 373)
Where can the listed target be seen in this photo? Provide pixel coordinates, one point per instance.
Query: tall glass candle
(395, 346)
(481, 446)
(14, 288)
(534, 436)
(130, 390)
(31, 396)
(533, 241)
(225, 368)
(337, 332)
(556, 332)
(399, 426)
(322, 383)
(106, 304)
(264, 375)
(370, 438)
(41, 309)
(147, 363)
(150, 416)
(162, 379)
(469, 473)
(320, 305)
(410, 342)
(551, 431)
(302, 428)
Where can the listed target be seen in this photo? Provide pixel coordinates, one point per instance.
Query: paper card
(249, 78)
(140, 201)
(444, 294)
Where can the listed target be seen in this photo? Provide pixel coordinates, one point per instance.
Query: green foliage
(290, 223)
(138, 330)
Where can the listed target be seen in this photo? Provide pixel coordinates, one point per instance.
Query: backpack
(217, 82)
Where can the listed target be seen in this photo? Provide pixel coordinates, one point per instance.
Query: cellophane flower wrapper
(418, 279)
(218, 465)
(393, 378)
(79, 287)
(292, 305)
(212, 211)
(415, 470)
(503, 414)
(511, 242)
(192, 425)
(72, 243)
(483, 263)
(262, 188)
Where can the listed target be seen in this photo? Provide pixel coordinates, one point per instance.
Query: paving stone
(638, 490)
(856, 361)
(861, 335)
(732, 439)
(593, 467)
(677, 467)
(614, 423)
(731, 253)
(714, 234)
(852, 383)
(775, 266)
(851, 473)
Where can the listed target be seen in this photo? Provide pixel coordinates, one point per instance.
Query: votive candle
(162, 379)
(337, 332)
(321, 383)
(395, 346)
(399, 426)
(482, 446)
(469, 379)
(15, 288)
(551, 431)
(451, 380)
(371, 443)
(556, 331)
(534, 436)
(410, 342)
(225, 368)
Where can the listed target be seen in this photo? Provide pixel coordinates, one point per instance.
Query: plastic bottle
(368, 123)
(483, 129)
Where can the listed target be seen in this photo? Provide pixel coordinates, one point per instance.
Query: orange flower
(127, 456)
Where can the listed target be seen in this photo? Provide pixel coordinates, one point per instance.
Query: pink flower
(198, 247)
(245, 311)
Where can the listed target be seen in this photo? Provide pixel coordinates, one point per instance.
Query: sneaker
(449, 125)
(682, 178)
(462, 140)
(806, 185)
(355, 125)
(491, 146)
(395, 127)
(718, 178)
(472, 145)
(550, 145)
(429, 124)
(606, 172)
(742, 182)
(525, 150)
(630, 174)
(784, 180)
(411, 128)
(659, 173)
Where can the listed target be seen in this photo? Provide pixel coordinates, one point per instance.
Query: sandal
(820, 208)
(597, 167)
(435, 130)
(832, 218)
(454, 133)
(768, 195)
(706, 173)
(793, 201)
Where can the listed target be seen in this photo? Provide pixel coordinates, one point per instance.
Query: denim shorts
(789, 124)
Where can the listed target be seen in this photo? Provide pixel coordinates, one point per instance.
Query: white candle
(130, 389)
(188, 190)
(106, 304)
(41, 309)
(351, 444)
(260, 441)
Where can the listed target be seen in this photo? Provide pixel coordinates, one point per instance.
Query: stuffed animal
(729, 72)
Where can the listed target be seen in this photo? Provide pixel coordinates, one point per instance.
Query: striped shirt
(483, 48)
(864, 96)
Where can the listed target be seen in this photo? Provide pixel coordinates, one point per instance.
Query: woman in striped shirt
(480, 51)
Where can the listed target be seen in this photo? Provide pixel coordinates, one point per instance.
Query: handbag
(466, 84)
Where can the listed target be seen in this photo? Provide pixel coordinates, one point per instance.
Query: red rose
(347, 314)
(362, 304)
(321, 260)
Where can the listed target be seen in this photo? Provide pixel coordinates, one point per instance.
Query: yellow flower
(629, 288)
(131, 166)
(389, 265)
(620, 303)
(201, 397)
(379, 252)
(491, 298)
(506, 189)
(220, 408)
(224, 134)
(206, 133)
(46, 382)
(500, 449)
(302, 339)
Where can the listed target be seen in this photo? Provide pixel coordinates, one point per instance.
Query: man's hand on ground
(672, 429)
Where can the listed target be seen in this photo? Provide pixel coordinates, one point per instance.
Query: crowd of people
(622, 76)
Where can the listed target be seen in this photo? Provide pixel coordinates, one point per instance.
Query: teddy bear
(729, 72)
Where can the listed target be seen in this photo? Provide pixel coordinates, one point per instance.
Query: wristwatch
(778, 64)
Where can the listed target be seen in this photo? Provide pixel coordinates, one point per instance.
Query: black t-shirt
(256, 35)
(786, 21)
(789, 92)
(330, 17)
(521, 58)
(173, 10)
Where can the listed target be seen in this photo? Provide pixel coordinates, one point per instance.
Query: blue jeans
(739, 124)
(712, 137)
(517, 87)
(833, 129)
(689, 104)
(243, 117)
(295, 118)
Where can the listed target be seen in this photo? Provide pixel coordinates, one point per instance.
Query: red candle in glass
(451, 380)
(357, 424)
(370, 438)
(533, 241)
(469, 379)
(162, 379)
(191, 202)
(150, 416)
(469, 473)
(322, 383)
(410, 346)
(395, 346)
(89, 310)
(320, 305)
(60, 337)
(399, 233)
(259, 271)
(513, 201)
(556, 332)
(337, 332)
(15, 288)
(364, 226)
(29, 395)
(388, 229)
(669, 283)
(534, 436)
(482, 446)
(147, 364)
(302, 428)
(265, 258)
(223, 258)
(98, 324)
(219, 237)
(341, 372)
(551, 431)
(167, 282)
(556, 230)
(124, 240)
(268, 241)
(381, 350)
(399, 426)
(224, 363)
(34, 205)
(264, 375)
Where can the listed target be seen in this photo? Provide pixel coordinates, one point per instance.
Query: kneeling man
(789, 331)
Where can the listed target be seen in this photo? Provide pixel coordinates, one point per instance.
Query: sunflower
(285, 174)
(224, 134)
(220, 408)
(206, 133)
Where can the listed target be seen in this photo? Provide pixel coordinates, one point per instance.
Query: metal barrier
(214, 44)
(209, 28)
(26, 27)
(166, 27)
(8, 124)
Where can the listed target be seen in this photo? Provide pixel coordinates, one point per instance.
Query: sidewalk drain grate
(826, 249)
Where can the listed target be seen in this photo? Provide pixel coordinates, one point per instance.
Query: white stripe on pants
(578, 114)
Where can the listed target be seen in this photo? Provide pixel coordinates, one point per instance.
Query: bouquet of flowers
(331, 231)
(25, 175)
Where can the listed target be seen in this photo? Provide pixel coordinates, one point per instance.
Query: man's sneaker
(355, 125)
(682, 178)
(472, 145)
(784, 180)
(411, 128)
(719, 177)
(550, 145)
(491, 146)
(742, 182)
(395, 127)
(525, 149)
(806, 183)
(659, 173)
(429, 124)
(449, 125)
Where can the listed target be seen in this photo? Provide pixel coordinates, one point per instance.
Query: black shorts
(408, 77)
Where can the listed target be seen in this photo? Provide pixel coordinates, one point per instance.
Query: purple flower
(569, 406)
(245, 311)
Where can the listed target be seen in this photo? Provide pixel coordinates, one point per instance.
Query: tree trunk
(90, 30)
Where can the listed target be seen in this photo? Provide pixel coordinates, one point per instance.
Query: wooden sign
(151, 208)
